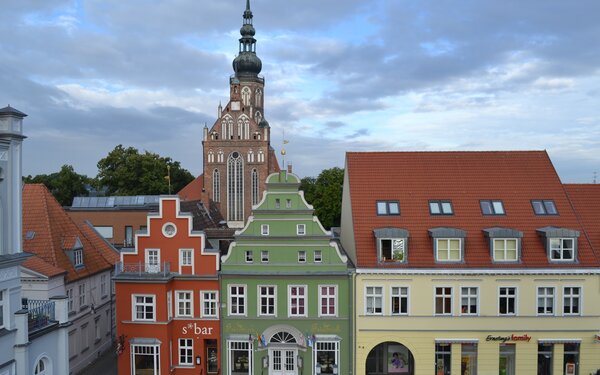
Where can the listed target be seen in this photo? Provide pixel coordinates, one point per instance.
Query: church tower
(237, 152)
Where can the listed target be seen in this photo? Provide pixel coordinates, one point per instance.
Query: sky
(352, 75)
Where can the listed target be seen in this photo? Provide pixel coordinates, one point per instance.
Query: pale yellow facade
(420, 329)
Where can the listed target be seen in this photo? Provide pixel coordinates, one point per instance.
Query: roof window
(492, 207)
(440, 207)
(388, 208)
(544, 207)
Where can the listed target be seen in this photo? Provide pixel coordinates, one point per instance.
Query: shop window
(390, 357)
(468, 359)
(442, 359)
(240, 357)
(571, 359)
(327, 354)
(145, 359)
(507, 359)
(545, 358)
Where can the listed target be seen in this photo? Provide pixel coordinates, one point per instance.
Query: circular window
(169, 229)
(235, 155)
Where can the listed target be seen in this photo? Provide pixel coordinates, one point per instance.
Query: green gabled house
(286, 291)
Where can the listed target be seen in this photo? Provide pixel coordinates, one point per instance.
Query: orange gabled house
(167, 298)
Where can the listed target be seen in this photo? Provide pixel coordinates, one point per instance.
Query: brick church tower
(237, 152)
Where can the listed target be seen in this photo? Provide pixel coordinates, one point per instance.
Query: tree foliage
(325, 194)
(64, 185)
(126, 171)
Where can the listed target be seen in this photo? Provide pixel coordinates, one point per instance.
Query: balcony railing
(142, 269)
(40, 314)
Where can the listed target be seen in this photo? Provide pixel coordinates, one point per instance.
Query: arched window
(42, 367)
(227, 127)
(216, 186)
(220, 156)
(283, 338)
(261, 156)
(246, 96)
(258, 117)
(235, 187)
(250, 156)
(254, 186)
(211, 157)
(258, 97)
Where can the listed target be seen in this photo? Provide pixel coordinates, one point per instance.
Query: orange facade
(167, 298)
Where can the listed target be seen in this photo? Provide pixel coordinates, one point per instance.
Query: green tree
(64, 185)
(325, 194)
(125, 171)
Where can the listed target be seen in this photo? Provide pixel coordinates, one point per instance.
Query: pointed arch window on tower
(235, 187)
(258, 98)
(250, 156)
(246, 128)
(239, 129)
(254, 187)
(258, 117)
(246, 96)
(216, 186)
(211, 157)
(220, 157)
(261, 156)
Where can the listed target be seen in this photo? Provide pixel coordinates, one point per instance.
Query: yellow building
(468, 263)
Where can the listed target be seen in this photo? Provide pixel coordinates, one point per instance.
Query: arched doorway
(390, 358)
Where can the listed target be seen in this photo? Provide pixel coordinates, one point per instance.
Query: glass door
(282, 362)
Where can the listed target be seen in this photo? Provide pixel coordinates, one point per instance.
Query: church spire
(247, 64)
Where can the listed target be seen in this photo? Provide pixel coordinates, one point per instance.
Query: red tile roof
(586, 201)
(53, 231)
(193, 190)
(465, 178)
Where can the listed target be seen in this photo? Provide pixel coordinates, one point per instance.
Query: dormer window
(492, 207)
(391, 244)
(78, 258)
(388, 208)
(440, 207)
(448, 244)
(505, 244)
(544, 207)
(561, 243)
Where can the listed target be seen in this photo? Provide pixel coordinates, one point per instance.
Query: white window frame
(242, 346)
(249, 256)
(374, 297)
(273, 297)
(78, 257)
(318, 256)
(181, 300)
(300, 229)
(301, 256)
(210, 297)
(505, 251)
(444, 296)
(150, 256)
(185, 256)
(170, 304)
(545, 297)
(264, 229)
(135, 304)
(579, 297)
(448, 240)
(401, 296)
(469, 298)
(391, 259)
(516, 298)
(327, 300)
(186, 352)
(237, 295)
(81, 290)
(264, 256)
(103, 286)
(320, 345)
(153, 350)
(297, 298)
(70, 300)
(561, 249)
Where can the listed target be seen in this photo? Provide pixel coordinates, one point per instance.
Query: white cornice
(479, 271)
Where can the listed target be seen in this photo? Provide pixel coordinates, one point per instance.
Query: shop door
(282, 362)
(507, 364)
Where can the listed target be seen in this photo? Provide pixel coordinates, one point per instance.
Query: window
(255, 194)
(545, 354)
(235, 187)
(216, 186)
(103, 286)
(571, 301)
(468, 301)
(42, 367)
(505, 249)
(492, 207)
(545, 301)
(301, 256)
(393, 249)
(266, 296)
(145, 359)
(249, 256)
(507, 301)
(448, 249)
(288, 203)
(184, 301)
(104, 231)
(318, 256)
(326, 355)
(78, 257)
(85, 341)
(374, 300)
(442, 358)
(97, 335)
(443, 301)
(388, 208)
(3, 303)
(82, 296)
(185, 257)
(440, 207)
(562, 249)
(399, 301)
(70, 301)
(209, 304)
(297, 300)
(300, 229)
(468, 359)
(277, 203)
(327, 300)
(237, 300)
(143, 308)
(544, 207)
(169, 304)
(186, 352)
(264, 256)
(240, 354)
(571, 358)
(264, 229)
(128, 236)
(507, 363)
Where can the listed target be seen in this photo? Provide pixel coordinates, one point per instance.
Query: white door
(152, 260)
(283, 362)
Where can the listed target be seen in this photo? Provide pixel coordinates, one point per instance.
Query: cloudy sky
(350, 75)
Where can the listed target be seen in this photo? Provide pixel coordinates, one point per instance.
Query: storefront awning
(559, 341)
(456, 341)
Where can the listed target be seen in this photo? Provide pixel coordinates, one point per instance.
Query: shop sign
(196, 329)
(511, 338)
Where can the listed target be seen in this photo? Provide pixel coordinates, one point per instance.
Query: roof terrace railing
(143, 269)
(40, 314)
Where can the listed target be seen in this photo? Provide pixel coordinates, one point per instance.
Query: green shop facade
(285, 291)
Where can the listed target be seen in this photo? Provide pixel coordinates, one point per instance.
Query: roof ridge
(44, 192)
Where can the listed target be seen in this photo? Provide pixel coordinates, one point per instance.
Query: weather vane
(285, 142)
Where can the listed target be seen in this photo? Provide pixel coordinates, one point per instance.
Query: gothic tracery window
(258, 96)
(254, 187)
(235, 187)
(246, 96)
(216, 186)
